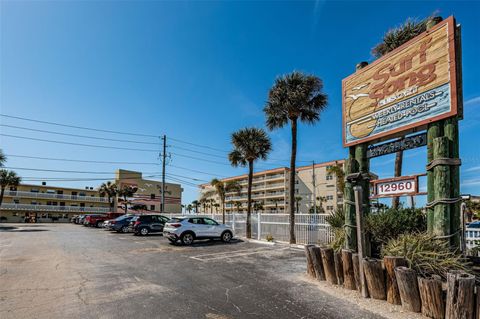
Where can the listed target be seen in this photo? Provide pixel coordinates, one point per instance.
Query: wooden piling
(433, 305)
(316, 255)
(434, 130)
(391, 262)
(348, 274)
(408, 288)
(441, 178)
(339, 267)
(310, 269)
(375, 278)
(460, 296)
(356, 271)
(329, 265)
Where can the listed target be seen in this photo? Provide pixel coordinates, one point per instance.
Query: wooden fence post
(460, 296)
(431, 295)
(339, 267)
(348, 273)
(408, 288)
(316, 255)
(329, 265)
(375, 278)
(392, 262)
(310, 269)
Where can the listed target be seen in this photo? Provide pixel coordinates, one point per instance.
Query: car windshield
(122, 218)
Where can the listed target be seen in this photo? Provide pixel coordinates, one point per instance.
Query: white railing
(309, 228)
(56, 196)
(269, 177)
(53, 208)
(274, 185)
(472, 237)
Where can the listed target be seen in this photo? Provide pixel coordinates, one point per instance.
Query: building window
(82, 204)
(13, 188)
(152, 196)
(34, 190)
(329, 177)
(152, 207)
(329, 207)
(16, 201)
(329, 197)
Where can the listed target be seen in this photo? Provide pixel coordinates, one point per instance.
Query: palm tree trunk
(397, 173)
(292, 182)
(249, 198)
(223, 212)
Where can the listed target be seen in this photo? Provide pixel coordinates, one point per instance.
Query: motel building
(270, 190)
(46, 203)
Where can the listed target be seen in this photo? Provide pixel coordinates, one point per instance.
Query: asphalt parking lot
(70, 271)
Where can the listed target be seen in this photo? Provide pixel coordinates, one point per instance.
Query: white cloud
(472, 101)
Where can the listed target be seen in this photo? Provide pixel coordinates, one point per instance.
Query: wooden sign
(404, 90)
(403, 144)
(397, 186)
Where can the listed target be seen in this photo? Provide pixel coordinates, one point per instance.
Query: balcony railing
(53, 208)
(274, 194)
(276, 176)
(56, 196)
(274, 185)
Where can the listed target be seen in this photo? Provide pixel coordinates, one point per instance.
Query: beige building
(45, 203)
(149, 192)
(270, 190)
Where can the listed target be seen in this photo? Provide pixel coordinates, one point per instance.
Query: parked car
(74, 218)
(189, 229)
(80, 219)
(122, 224)
(108, 224)
(96, 220)
(148, 223)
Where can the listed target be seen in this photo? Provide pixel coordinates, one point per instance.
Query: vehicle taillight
(112, 222)
(176, 225)
(137, 223)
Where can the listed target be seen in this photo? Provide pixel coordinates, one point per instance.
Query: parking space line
(234, 251)
(235, 254)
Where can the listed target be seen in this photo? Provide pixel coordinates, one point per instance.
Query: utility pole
(164, 157)
(314, 189)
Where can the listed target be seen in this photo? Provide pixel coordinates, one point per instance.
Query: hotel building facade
(270, 190)
(46, 203)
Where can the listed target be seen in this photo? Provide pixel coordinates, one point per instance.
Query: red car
(96, 220)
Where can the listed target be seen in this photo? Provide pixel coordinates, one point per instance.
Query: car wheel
(187, 239)
(124, 229)
(144, 231)
(98, 224)
(226, 237)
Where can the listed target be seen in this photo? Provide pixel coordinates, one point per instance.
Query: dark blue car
(122, 224)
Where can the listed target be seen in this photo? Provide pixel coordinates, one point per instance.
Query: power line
(76, 135)
(196, 171)
(78, 127)
(65, 171)
(80, 161)
(187, 177)
(79, 144)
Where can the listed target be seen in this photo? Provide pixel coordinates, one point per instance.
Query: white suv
(188, 228)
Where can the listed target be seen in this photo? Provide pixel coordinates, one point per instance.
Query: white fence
(309, 228)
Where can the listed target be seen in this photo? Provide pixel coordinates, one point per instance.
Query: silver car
(188, 229)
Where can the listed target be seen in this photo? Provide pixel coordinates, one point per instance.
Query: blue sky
(195, 71)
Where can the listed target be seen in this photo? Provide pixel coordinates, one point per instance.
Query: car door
(212, 228)
(197, 225)
(157, 225)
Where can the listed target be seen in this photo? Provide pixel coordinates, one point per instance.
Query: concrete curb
(256, 241)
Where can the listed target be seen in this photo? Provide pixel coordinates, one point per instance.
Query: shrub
(392, 223)
(337, 222)
(269, 237)
(425, 254)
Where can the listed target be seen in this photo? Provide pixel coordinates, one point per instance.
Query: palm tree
(257, 206)
(321, 200)
(393, 39)
(220, 189)
(125, 192)
(7, 178)
(189, 208)
(3, 158)
(249, 145)
(238, 204)
(195, 204)
(110, 190)
(294, 97)
(298, 199)
(339, 173)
